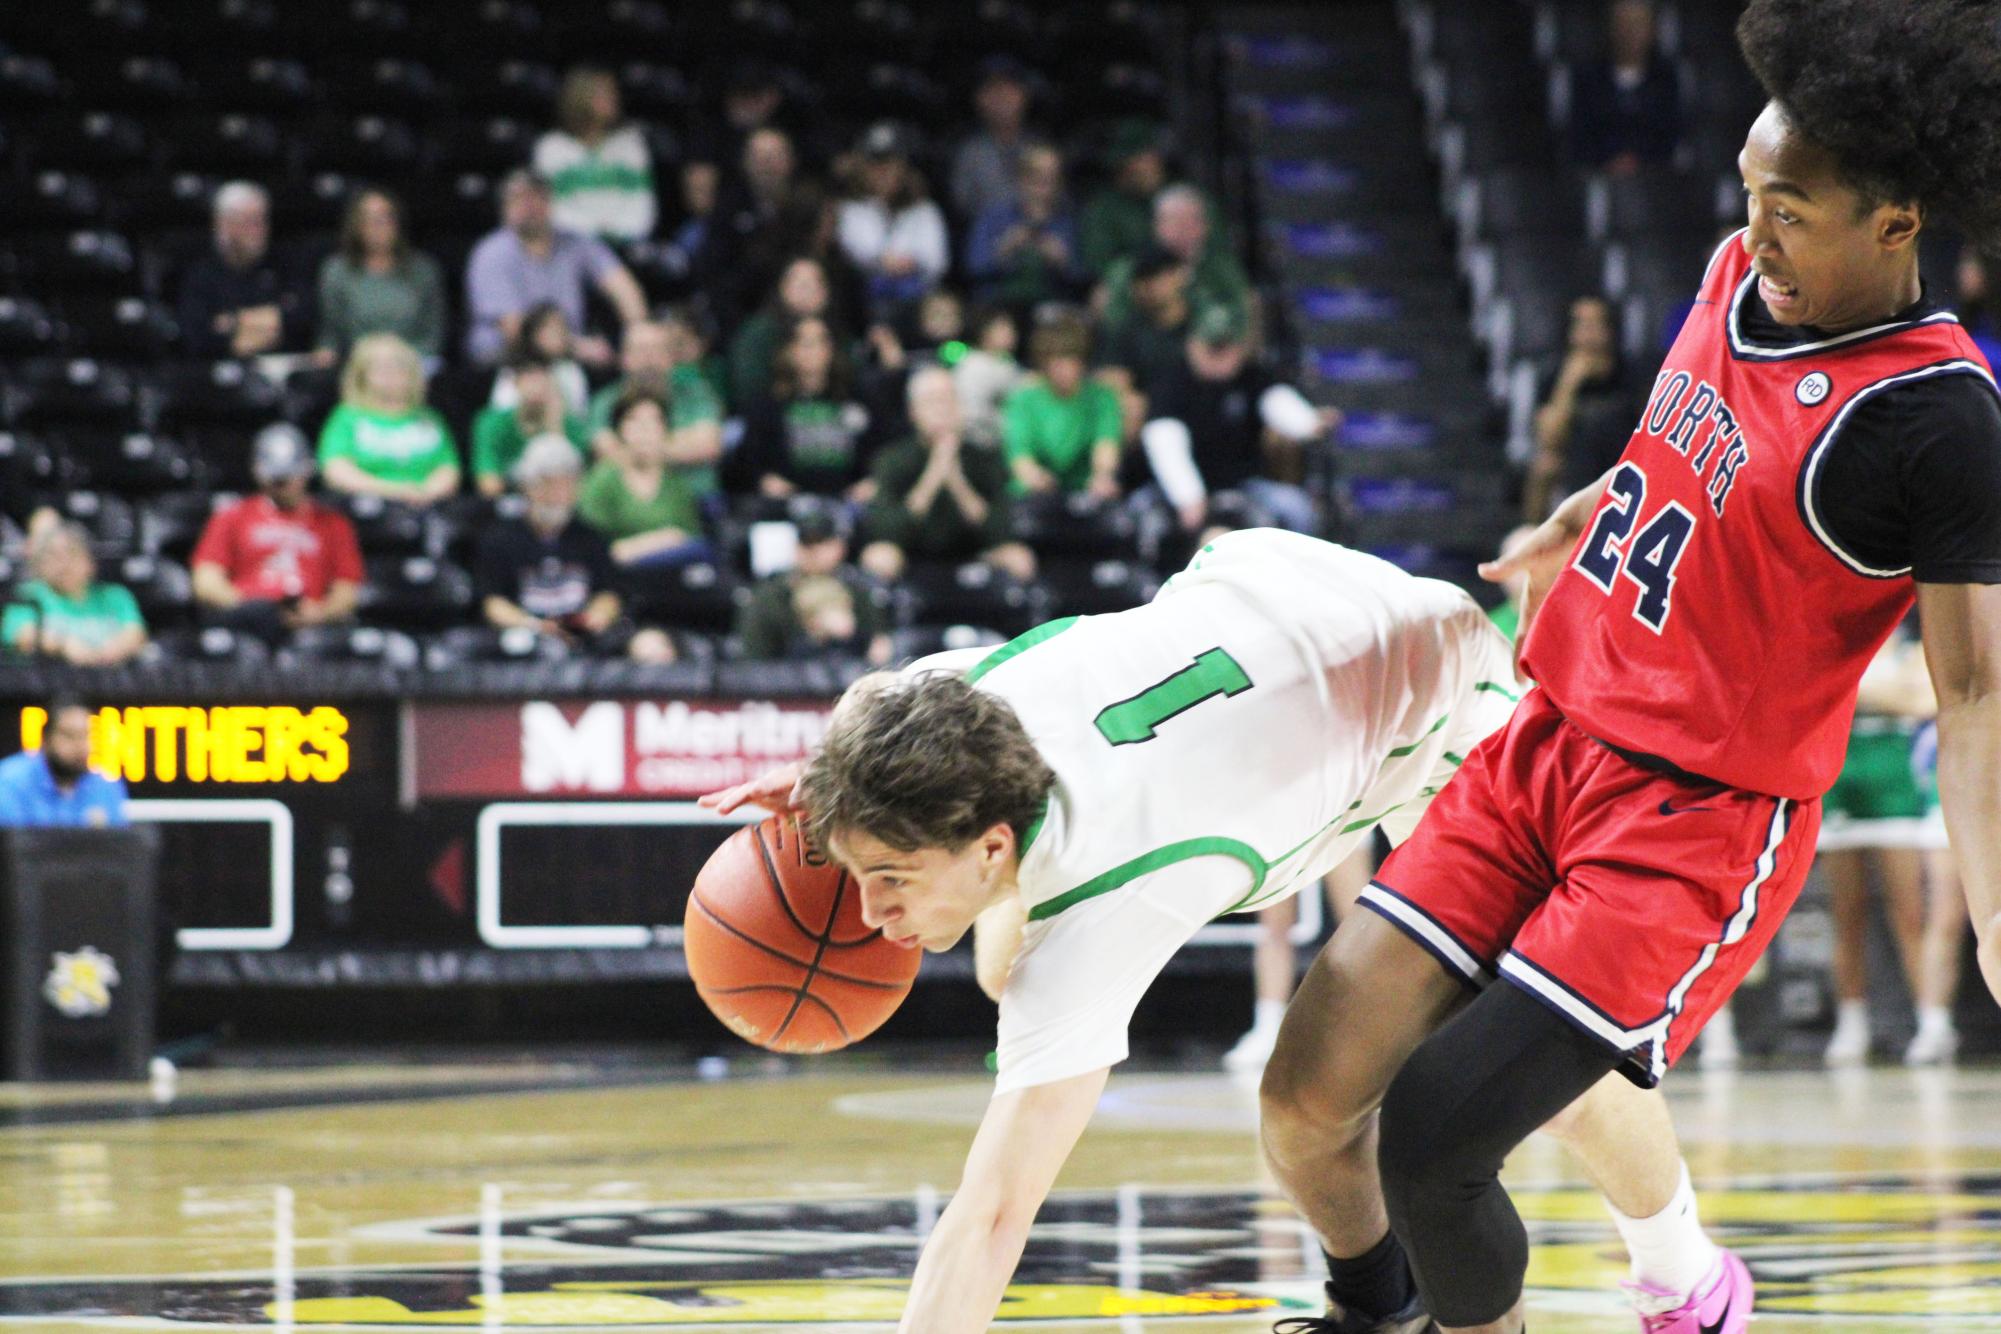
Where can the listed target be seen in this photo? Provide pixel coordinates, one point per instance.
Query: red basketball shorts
(1630, 901)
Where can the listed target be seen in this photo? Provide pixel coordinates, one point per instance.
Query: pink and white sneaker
(1721, 1304)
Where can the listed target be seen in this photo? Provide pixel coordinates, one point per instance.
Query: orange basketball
(777, 947)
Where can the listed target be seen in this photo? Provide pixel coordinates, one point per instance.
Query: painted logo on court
(1899, 1247)
(80, 984)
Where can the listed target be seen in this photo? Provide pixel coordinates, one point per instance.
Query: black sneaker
(1411, 1320)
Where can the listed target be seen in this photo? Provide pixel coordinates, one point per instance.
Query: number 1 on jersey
(1131, 721)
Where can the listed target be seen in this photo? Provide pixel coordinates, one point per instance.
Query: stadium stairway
(1361, 254)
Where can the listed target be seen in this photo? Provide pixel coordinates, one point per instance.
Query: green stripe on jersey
(1402, 751)
(1018, 645)
(1154, 861)
(1498, 689)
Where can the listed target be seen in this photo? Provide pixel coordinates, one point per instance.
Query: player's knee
(1573, 1124)
(1423, 1145)
(1303, 1115)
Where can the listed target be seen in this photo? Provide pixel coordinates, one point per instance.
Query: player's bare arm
(1962, 634)
(1021, 1145)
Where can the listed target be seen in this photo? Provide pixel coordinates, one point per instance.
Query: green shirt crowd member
(404, 447)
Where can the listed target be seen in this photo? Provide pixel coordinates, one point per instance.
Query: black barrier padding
(80, 990)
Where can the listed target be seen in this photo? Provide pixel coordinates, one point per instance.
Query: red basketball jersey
(1707, 616)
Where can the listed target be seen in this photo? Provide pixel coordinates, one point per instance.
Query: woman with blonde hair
(384, 440)
(601, 171)
(66, 612)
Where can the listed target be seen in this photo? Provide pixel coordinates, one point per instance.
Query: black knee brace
(1466, 1097)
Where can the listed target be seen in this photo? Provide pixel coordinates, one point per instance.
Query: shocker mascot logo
(80, 984)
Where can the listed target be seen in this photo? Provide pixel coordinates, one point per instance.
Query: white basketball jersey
(1216, 750)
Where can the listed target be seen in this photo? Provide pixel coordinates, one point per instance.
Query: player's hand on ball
(775, 790)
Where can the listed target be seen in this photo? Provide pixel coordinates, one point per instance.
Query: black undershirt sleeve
(1914, 481)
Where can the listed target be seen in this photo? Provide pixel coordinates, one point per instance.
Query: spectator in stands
(375, 283)
(691, 343)
(384, 440)
(278, 560)
(748, 240)
(701, 193)
(810, 430)
(54, 787)
(64, 611)
(1587, 408)
(1146, 332)
(1118, 219)
(238, 301)
(1625, 111)
(1063, 432)
(939, 497)
(548, 573)
(634, 498)
(802, 292)
(1182, 228)
(988, 373)
(984, 170)
(546, 336)
(1976, 305)
(499, 435)
(528, 260)
(599, 169)
(1023, 251)
(1219, 422)
(889, 226)
(648, 358)
(822, 605)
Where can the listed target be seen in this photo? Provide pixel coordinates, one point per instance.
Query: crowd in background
(853, 350)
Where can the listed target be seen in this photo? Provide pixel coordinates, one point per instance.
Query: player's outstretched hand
(1536, 559)
(776, 790)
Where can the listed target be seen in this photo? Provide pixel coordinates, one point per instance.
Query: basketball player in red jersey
(1823, 444)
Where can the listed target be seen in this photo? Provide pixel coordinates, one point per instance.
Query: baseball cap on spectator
(816, 523)
(1155, 260)
(884, 139)
(279, 454)
(1131, 137)
(1218, 325)
(1004, 67)
(547, 455)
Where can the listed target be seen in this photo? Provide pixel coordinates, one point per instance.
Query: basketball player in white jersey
(1120, 781)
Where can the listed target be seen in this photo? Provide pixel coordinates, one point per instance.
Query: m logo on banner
(558, 755)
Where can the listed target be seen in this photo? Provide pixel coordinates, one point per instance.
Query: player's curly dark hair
(1905, 93)
(924, 763)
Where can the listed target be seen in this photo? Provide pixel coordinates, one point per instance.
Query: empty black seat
(27, 329)
(99, 142)
(112, 524)
(1525, 200)
(77, 392)
(229, 144)
(521, 88)
(386, 528)
(171, 524)
(1088, 588)
(29, 470)
(369, 644)
(370, 145)
(51, 201)
(975, 594)
(488, 144)
(80, 261)
(1656, 201)
(163, 589)
(127, 327)
(463, 645)
(1076, 525)
(416, 593)
(697, 596)
(213, 643)
(129, 461)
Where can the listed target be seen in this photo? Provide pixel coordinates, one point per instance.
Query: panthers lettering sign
(1905, 1251)
(606, 748)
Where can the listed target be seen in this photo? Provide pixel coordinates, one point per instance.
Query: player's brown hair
(924, 763)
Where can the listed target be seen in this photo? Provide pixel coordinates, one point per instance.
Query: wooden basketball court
(544, 1194)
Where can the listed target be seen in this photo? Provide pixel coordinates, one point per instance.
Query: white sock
(1268, 1014)
(1852, 1014)
(1934, 1019)
(1669, 1250)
